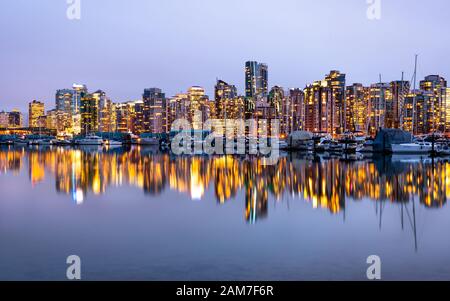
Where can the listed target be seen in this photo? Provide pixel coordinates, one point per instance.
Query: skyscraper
(297, 101)
(64, 100)
(4, 119)
(418, 115)
(15, 119)
(35, 112)
(155, 119)
(224, 93)
(199, 109)
(395, 108)
(79, 91)
(105, 111)
(437, 85)
(315, 97)
(325, 108)
(256, 79)
(89, 114)
(380, 96)
(336, 107)
(357, 99)
(447, 110)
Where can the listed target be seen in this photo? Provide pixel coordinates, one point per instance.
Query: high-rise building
(89, 114)
(106, 121)
(325, 105)
(224, 93)
(380, 96)
(51, 120)
(79, 91)
(179, 107)
(15, 119)
(395, 107)
(418, 114)
(64, 99)
(315, 107)
(199, 110)
(4, 119)
(155, 119)
(35, 111)
(357, 99)
(437, 85)
(122, 117)
(297, 101)
(336, 107)
(276, 98)
(280, 103)
(447, 110)
(136, 110)
(256, 79)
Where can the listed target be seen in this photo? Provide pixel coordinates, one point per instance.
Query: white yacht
(91, 140)
(412, 148)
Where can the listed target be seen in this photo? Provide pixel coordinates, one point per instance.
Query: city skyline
(242, 91)
(329, 105)
(145, 52)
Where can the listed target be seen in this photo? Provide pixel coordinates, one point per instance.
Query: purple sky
(123, 47)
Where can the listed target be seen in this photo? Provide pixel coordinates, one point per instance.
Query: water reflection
(324, 183)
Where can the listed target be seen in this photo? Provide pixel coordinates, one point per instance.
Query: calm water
(140, 214)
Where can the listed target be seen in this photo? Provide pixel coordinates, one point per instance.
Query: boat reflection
(326, 183)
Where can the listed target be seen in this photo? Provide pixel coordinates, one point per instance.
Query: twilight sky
(123, 46)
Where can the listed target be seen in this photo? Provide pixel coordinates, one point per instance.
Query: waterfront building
(178, 107)
(64, 100)
(35, 111)
(256, 79)
(357, 99)
(297, 115)
(155, 120)
(136, 111)
(419, 117)
(379, 95)
(79, 91)
(447, 110)
(314, 107)
(15, 119)
(436, 85)
(276, 98)
(4, 119)
(325, 110)
(199, 110)
(64, 122)
(223, 94)
(123, 118)
(395, 108)
(280, 102)
(89, 114)
(106, 122)
(336, 110)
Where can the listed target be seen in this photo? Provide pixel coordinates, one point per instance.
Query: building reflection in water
(325, 184)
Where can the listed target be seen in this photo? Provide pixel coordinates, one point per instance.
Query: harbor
(386, 141)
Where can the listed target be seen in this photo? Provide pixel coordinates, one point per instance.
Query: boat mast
(382, 100)
(414, 97)
(401, 104)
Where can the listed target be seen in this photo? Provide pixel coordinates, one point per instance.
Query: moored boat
(412, 148)
(90, 140)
